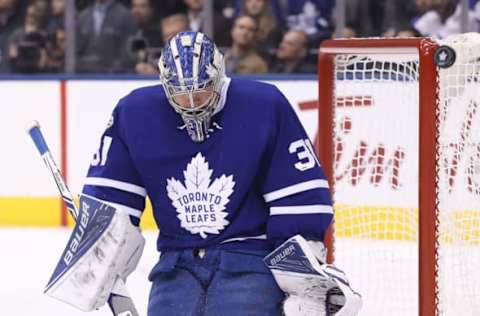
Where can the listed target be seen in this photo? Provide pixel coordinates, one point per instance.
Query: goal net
(399, 130)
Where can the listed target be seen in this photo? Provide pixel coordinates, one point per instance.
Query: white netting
(376, 128)
(376, 171)
(459, 179)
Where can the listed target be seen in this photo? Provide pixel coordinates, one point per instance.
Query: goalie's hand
(341, 299)
(312, 288)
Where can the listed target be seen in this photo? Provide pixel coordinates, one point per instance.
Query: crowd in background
(257, 36)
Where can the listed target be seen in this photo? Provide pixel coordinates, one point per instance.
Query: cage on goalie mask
(191, 71)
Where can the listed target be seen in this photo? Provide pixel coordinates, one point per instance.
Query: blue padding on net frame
(378, 75)
(25, 77)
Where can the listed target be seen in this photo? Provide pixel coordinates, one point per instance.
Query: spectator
(292, 54)
(268, 33)
(146, 62)
(363, 18)
(398, 17)
(149, 26)
(220, 23)
(242, 57)
(173, 24)
(55, 50)
(443, 18)
(314, 17)
(42, 9)
(27, 45)
(168, 7)
(57, 12)
(139, 55)
(103, 32)
(10, 20)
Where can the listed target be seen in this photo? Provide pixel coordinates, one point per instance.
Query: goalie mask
(191, 72)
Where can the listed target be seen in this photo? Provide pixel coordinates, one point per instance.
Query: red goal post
(384, 142)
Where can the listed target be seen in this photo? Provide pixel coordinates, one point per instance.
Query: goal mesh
(459, 179)
(376, 170)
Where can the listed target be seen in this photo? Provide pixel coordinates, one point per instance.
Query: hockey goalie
(231, 176)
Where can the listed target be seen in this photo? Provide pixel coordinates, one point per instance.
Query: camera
(138, 48)
(29, 52)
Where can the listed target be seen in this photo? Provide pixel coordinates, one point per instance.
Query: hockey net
(400, 143)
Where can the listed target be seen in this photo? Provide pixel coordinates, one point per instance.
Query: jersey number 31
(305, 154)
(100, 157)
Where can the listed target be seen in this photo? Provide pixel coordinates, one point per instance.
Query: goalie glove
(312, 287)
(104, 246)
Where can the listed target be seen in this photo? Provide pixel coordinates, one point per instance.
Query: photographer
(148, 24)
(148, 38)
(26, 47)
(138, 57)
(29, 54)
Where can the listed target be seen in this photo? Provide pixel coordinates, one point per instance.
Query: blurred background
(66, 63)
(257, 36)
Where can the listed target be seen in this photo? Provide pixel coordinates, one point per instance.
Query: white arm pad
(104, 246)
(312, 288)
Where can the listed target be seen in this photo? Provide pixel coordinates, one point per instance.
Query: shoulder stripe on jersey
(301, 209)
(120, 185)
(244, 238)
(296, 188)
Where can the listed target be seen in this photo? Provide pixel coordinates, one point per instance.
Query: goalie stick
(119, 301)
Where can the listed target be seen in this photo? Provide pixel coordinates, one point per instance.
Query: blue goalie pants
(221, 283)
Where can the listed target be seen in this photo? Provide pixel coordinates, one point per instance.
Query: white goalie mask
(191, 72)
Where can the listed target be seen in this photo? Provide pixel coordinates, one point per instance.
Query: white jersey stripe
(120, 185)
(301, 209)
(244, 238)
(129, 210)
(296, 188)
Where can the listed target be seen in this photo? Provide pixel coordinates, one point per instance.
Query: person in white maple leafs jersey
(231, 175)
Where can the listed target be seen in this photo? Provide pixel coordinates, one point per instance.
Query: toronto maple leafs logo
(199, 204)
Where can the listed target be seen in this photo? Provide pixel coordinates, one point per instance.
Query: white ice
(27, 259)
(385, 273)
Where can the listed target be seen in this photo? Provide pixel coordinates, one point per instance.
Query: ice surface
(28, 257)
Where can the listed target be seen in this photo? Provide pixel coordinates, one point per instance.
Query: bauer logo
(200, 203)
(78, 234)
(283, 253)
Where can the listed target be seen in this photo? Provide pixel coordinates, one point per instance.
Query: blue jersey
(252, 184)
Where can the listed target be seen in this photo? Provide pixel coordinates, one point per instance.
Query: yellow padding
(46, 212)
(30, 211)
(364, 222)
(147, 221)
(147, 218)
(377, 222)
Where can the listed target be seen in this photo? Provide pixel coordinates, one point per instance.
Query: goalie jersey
(252, 184)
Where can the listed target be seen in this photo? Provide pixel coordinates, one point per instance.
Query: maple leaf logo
(200, 204)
